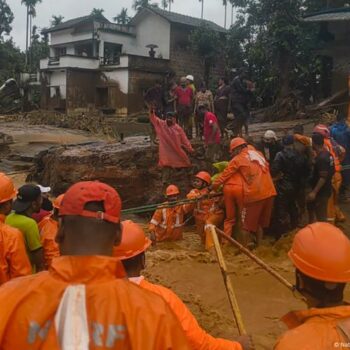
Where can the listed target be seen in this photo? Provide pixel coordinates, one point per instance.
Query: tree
(140, 4)
(31, 12)
(205, 42)
(6, 18)
(56, 20)
(97, 12)
(224, 2)
(123, 17)
(202, 8)
(170, 2)
(164, 4)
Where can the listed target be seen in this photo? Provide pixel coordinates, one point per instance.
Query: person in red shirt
(212, 134)
(184, 102)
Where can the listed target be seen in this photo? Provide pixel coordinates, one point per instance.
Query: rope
(152, 207)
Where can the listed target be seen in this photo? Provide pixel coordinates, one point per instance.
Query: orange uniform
(315, 329)
(197, 337)
(120, 315)
(14, 260)
(334, 212)
(48, 228)
(205, 211)
(167, 223)
(250, 170)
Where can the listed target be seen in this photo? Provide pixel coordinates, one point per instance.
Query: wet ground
(194, 273)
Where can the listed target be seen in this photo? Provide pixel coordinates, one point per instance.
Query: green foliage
(140, 4)
(56, 20)
(6, 18)
(277, 47)
(207, 44)
(97, 12)
(11, 60)
(123, 17)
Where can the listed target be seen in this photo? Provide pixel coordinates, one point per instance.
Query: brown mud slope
(131, 168)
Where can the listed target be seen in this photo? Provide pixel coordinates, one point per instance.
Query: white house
(97, 64)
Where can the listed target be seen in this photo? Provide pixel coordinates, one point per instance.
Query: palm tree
(140, 4)
(123, 17)
(170, 1)
(224, 2)
(232, 10)
(164, 4)
(202, 11)
(30, 5)
(97, 12)
(56, 20)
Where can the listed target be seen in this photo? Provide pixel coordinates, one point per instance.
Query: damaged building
(98, 65)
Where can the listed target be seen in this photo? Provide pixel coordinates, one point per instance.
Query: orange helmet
(134, 241)
(236, 142)
(321, 251)
(7, 189)
(57, 202)
(204, 176)
(172, 190)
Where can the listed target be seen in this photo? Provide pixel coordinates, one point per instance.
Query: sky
(213, 10)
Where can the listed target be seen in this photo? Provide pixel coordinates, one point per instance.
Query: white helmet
(270, 134)
(190, 77)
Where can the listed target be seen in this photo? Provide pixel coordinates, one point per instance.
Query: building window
(111, 55)
(60, 51)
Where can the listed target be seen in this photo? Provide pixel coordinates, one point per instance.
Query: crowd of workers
(81, 284)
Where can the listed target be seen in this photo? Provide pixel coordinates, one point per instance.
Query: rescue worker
(66, 308)
(131, 252)
(48, 228)
(334, 213)
(257, 192)
(321, 181)
(173, 145)
(28, 202)
(340, 132)
(206, 211)
(14, 261)
(303, 145)
(321, 256)
(167, 223)
(287, 170)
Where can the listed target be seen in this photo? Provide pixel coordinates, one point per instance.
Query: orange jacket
(204, 208)
(167, 223)
(253, 169)
(14, 260)
(120, 315)
(330, 149)
(197, 337)
(313, 329)
(48, 228)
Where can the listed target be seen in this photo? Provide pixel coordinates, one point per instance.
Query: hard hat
(321, 251)
(270, 134)
(236, 142)
(134, 241)
(172, 190)
(58, 201)
(190, 77)
(7, 189)
(323, 130)
(204, 176)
